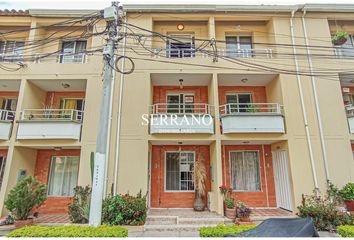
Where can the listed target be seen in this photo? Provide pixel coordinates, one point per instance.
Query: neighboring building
(256, 141)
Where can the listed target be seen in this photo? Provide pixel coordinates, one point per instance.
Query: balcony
(6, 120)
(181, 118)
(50, 124)
(191, 53)
(350, 116)
(252, 118)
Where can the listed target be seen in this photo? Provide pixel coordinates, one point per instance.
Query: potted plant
(347, 193)
(226, 192)
(340, 38)
(29, 193)
(200, 176)
(243, 212)
(230, 211)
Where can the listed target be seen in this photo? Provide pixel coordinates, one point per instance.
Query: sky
(90, 4)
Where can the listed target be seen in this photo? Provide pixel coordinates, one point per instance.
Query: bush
(29, 193)
(347, 191)
(79, 209)
(222, 230)
(346, 231)
(69, 231)
(324, 210)
(124, 210)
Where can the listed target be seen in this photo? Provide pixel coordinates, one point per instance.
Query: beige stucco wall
(135, 140)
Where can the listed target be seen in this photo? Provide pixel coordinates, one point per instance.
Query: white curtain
(245, 172)
(63, 175)
(179, 171)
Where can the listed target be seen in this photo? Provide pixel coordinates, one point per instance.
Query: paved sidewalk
(138, 231)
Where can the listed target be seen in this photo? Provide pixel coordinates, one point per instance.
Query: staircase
(181, 220)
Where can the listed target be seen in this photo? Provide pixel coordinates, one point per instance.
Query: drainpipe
(303, 107)
(314, 90)
(119, 114)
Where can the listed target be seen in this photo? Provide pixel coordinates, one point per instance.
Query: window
(2, 168)
(347, 49)
(245, 171)
(180, 103)
(238, 46)
(238, 102)
(10, 105)
(182, 47)
(73, 103)
(63, 175)
(73, 52)
(11, 51)
(179, 173)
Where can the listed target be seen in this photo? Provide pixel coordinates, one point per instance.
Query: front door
(282, 180)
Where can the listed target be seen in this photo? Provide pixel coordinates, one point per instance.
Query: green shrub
(222, 230)
(324, 210)
(29, 193)
(346, 230)
(229, 203)
(124, 210)
(347, 191)
(69, 231)
(79, 209)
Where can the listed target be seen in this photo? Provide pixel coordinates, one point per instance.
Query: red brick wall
(200, 93)
(9, 94)
(352, 147)
(162, 199)
(41, 172)
(253, 199)
(59, 95)
(3, 152)
(258, 93)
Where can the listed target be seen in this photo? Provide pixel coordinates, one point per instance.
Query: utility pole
(111, 15)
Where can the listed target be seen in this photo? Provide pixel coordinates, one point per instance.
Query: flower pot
(199, 204)
(245, 218)
(22, 223)
(230, 213)
(349, 204)
(340, 41)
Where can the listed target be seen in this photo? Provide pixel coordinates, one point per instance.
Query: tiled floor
(270, 212)
(52, 219)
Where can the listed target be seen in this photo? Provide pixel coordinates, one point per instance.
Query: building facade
(274, 94)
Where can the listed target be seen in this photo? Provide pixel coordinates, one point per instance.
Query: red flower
(230, 189)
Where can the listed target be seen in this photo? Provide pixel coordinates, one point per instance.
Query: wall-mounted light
(57, 148)
(180, 148)
(65, 85)
(180, 83)
(246, 142)
(180, 27)
(244, 80)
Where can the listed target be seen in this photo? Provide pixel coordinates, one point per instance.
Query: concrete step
(200, 221)
(177, 227)
(161, 220)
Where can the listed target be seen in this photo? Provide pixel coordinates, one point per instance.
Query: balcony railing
(246, 53)
(186, 108)
(250, 108)
(52, 115)
(61, 58)
(6, 115)
(191, 53)
(346, 52)
(79, 58)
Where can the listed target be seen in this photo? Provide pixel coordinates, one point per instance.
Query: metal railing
(191, 53)
(350, 110)
(250, 108)
(61, 58)
(52, 115)
(175, 52)
(246, 53)
(186, 108)
(6, 115)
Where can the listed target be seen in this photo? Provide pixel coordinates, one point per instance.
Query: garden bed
(69, 231)
(222, 230)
